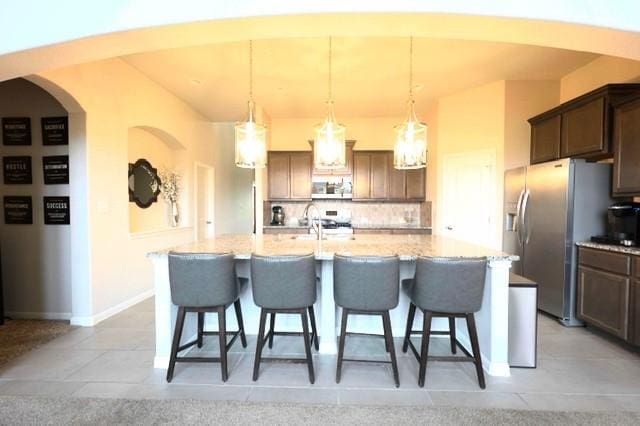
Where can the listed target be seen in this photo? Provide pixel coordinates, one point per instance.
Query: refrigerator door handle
(516, 222)
(523, 216)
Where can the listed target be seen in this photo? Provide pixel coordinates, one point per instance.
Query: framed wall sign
(55, 169)
(17, 170)
(56, 211)
(18, 210)
(55, 130)
(16, 131)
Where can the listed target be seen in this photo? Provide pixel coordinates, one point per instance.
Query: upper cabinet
(626, 140)
(375, 178)
(346, 170)
(580, 128)
(289, 175)
(545, 139)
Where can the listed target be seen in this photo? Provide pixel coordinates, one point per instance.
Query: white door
(469, 196)
(204, 202)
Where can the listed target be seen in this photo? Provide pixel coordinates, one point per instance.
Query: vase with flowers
(170, 189)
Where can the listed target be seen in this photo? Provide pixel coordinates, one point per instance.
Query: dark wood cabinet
(545, 139)
(289, 175)
(379, 175)
(626, 141)
(370, 175)
(603, 300)
(583, 129)
(375, 178)
(300, 172)
(608, 293)
(416, 184)
(347, 170)
(579, 128)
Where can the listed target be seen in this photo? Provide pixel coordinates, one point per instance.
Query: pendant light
(410, 149)
(329, 142)
(251, 145)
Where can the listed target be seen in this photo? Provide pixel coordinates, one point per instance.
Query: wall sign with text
(55, 169)
(16, 131)
(56, 211)
(18, 210)
(17, 170)
(55, 130)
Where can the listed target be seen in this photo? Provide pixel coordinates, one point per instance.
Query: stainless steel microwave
(331, 187)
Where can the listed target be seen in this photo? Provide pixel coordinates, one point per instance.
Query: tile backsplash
(363, 213)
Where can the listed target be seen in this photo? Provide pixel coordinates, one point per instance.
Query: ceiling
(370, 75)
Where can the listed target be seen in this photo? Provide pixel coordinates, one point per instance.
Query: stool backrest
(283, 282)
(450, 285)
(202, 279)
(368, 283)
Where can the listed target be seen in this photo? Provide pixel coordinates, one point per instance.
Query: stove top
(604, 239)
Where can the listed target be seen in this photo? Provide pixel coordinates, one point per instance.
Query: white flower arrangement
(169, 185)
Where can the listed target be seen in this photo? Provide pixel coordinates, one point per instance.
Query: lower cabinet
(604, 300)
(608, 292)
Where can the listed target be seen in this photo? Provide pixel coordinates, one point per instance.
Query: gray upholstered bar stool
(366, 285)
(287, 285)
(204, 282)
(451, 288)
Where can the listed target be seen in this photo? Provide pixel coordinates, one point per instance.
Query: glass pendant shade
(410, 149)
(251, 143)
(329, 145)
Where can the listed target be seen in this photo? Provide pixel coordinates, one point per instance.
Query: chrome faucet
(318, 226)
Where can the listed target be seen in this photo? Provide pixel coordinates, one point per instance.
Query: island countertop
(408, 247)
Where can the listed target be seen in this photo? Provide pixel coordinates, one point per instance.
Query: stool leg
(407, 333)
(314, 330)
(386, 343)
(388, 337)
(200, 328)
(473, 335)
(424, 352)
(307, 344)
(177, 334)
(343, 334)
(222, 330)
(259, 344)
(452, 334)
(272, 328)
(238, 309)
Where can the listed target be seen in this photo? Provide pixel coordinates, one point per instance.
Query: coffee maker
(278, 216)
(623, 225)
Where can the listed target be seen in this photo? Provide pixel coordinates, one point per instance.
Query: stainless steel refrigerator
(549, 207)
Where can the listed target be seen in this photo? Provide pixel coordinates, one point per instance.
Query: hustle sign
(17, 170)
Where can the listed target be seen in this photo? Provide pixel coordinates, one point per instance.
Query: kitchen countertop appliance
(278, 216)
(623, 225)
(548, 208)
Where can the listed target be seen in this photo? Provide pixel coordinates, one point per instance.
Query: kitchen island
(492, 319)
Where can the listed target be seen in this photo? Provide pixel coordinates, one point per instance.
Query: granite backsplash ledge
(362, 213)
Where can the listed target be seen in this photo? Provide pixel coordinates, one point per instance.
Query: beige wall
(523, 100)
(115, 97)
(142, 144)
(601, 71)
(470, 121)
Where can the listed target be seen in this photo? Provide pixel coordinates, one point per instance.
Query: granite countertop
(610, 247)
(406, 246)
(355, 226)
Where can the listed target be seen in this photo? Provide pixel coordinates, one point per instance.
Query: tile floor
(579, 369)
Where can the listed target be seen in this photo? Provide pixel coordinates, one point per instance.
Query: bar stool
(366, 285)
(287, 285)
(204, 282)
(451, 288)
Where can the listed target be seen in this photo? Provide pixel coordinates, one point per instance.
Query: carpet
(93, 411)
(18, 337)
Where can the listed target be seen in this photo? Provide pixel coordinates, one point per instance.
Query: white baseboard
(90, 321)
(63, 316)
